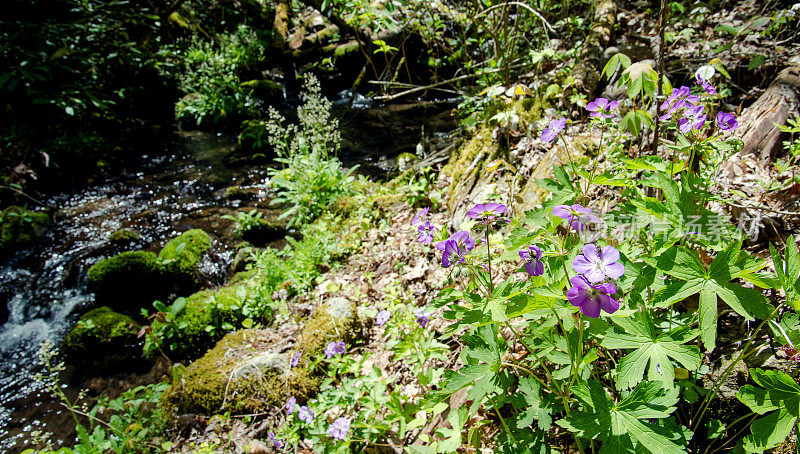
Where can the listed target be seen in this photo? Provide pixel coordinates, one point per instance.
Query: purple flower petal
(610, 254)
(420, 216)
(581, 265)
(591, 253)
(614, 270)
(591, 308)
(608, 304)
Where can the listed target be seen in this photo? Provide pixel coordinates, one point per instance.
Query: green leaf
(708, 317)
(705, 72)
(616, 425)
(682, 263)
(778, 398)
(654, 353)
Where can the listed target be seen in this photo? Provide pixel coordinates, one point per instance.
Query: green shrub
(312, 178)
(211, 81)
(20, 226)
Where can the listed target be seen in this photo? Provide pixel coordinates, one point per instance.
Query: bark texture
(758, 123)
(586, 73)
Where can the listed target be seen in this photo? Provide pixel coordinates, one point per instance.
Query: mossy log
(758, 123)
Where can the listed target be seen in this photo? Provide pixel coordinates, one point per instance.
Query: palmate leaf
(655, 353)
(619, 425)
(778, 398)
(685, 265)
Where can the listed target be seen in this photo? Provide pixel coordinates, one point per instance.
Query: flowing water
(178, 187)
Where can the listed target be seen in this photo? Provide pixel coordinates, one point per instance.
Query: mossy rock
(104, 340)
(236, 193)
(128, 278)
(336, 320)
(182, 255)
(206, 308)
(241, 374)
(19, 226)
(264, 88)
(123, 236)
(244, 257)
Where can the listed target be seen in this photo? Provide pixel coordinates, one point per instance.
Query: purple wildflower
(425, 230)
(602, 107)
(680, 98)
(422, 317)
(295, 359)
(533, 260)
(382, 317)
(597, 264)
(274, 441)
(488, 211)
(453, 255)
(305, 414)
(693, 118)
(333, 349)
(706, 86)
(290, 405)
(462, 238)
(576, 215)
(591, 298)
(727, 122)
(339, 428)
(551, 131)
(420, 217)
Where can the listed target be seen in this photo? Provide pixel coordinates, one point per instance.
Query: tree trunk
(586, 72)
(757, 124)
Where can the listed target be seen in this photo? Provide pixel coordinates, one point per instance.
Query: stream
(179, 186)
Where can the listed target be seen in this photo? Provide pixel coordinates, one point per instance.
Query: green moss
(335, 320)
(182, 255)
(123, 236)
(231, 377)
(103, 339)
(236, 193)
(468, 162)
(127, 266)
(203, 317)
(19, 226)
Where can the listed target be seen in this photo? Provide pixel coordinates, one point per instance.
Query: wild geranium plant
(569, 316)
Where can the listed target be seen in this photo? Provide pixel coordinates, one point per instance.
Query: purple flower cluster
(333, 349)
(339, 428)
(680, 98)
(290, 404)
(709, 89)
(589, 292)
(295, 359)
(576, 215)
(602, 108)
(551, 131)
(424, 227)
(533, 260)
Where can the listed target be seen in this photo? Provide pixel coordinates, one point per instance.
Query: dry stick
(661, 25)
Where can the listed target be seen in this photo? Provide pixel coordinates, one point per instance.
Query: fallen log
(758, 123)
